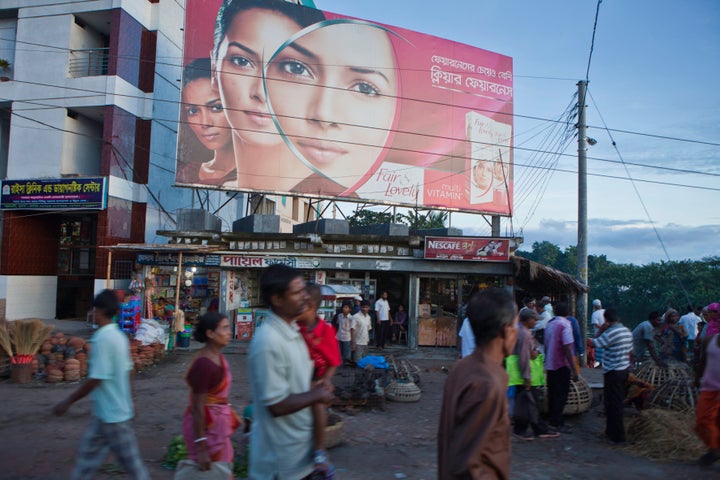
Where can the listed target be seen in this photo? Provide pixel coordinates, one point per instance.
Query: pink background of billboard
(430, 131)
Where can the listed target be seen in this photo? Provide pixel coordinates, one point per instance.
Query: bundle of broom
(21, 339)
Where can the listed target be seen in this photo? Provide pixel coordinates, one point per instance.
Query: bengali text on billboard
(281, 98)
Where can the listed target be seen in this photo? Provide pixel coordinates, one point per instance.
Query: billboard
(287, 99)
(467, 248)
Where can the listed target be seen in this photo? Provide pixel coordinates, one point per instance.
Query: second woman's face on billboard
(334, 91)
(204, 114)
(252, 37)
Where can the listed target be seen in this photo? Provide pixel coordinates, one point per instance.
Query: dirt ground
(395, 443)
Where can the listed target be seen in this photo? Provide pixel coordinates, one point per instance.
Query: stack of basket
(677, 394)
(403, 388)
(656, 375)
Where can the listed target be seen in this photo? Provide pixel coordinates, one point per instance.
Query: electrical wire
(644, 207)
(592, 42)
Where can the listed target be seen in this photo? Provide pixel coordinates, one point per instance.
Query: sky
(653, 91)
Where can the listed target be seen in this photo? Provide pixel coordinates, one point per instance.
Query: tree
(417, 221)
(636, 290)
(365, 217)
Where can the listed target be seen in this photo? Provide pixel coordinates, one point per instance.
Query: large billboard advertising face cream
(280, 98)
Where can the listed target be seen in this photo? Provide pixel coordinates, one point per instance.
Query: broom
(27, 336)
(5, 342)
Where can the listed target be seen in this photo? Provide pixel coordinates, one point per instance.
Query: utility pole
(582, 260)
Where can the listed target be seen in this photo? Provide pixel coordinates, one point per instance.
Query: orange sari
(221, 421)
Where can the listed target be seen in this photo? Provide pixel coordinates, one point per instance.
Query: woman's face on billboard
(204, 114)
(334, 91)
(482, 174)
(238, 67)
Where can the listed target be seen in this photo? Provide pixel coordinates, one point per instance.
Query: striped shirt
(618, 343)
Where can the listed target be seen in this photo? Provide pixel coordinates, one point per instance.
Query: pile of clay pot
(144, 356)
(64, 358)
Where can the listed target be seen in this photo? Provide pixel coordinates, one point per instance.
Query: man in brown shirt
(474, 434)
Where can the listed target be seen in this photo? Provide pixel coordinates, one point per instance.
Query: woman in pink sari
(209, 419)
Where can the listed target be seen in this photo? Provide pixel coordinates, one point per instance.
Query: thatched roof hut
(532, 278)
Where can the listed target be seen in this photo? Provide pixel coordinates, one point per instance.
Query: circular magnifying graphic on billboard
(333, 93)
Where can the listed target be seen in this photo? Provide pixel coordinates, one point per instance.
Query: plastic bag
(188, 470)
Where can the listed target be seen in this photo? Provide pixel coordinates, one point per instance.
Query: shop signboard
(479, 249)
(414, 120)
(256, 261)
(171, 259)
(54, 194)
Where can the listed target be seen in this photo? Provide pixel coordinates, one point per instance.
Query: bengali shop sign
(256, 261)
(293, 100)
(54, 194)
(467, 249)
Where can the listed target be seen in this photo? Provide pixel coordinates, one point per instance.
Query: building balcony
(88, 62)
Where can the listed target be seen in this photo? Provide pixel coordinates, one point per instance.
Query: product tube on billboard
(288, 99)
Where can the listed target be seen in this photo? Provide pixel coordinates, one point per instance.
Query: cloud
(632, 241)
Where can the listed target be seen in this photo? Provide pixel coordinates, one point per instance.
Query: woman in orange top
(209, 419)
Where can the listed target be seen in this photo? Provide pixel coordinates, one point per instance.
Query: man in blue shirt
(108, 384)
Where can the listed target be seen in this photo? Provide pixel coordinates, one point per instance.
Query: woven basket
(333, 431)
(579, 398)
(578, 401)
(676, 394)
(402, 392)
(657, 376)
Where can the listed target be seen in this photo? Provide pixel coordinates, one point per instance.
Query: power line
(592, 42)
(647, 212)
(397, 131)
(528, 117)
(551, 169)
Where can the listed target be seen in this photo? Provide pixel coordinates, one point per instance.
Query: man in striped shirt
(617, 340)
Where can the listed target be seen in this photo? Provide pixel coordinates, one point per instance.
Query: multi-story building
(89, 102)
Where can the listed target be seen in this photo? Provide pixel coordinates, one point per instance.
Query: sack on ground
(189, 470)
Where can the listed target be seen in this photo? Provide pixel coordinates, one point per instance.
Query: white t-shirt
(467, 339)
(598, 318)
(279, 365)
(382, 307)
(363, 325)
(345, 324)
(690, 321)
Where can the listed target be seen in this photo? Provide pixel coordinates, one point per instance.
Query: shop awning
(339, 291)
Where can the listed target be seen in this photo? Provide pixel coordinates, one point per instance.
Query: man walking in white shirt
(363, 325)
(382, 311)
(597, 319)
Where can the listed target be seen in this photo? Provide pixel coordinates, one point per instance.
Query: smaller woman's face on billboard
(482, 174)
(334, 91)
(251, 38)
(205, 115)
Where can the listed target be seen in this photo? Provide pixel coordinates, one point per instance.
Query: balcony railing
(88, 62)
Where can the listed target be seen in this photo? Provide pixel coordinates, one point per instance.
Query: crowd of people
(481, 397)
(293, 356)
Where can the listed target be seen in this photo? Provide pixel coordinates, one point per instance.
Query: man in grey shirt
(644, 339)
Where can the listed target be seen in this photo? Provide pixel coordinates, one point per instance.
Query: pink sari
(221, 421)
